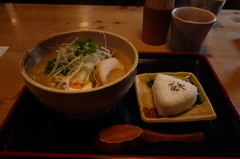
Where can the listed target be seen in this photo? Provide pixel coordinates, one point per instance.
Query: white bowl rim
(26, 77)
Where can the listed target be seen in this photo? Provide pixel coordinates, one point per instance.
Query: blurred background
(230, 4)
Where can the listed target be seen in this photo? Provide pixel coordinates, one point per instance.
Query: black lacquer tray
(33, 130)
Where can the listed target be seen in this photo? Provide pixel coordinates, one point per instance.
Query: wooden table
(23, 25)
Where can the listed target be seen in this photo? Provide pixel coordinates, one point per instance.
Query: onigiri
(172, 95)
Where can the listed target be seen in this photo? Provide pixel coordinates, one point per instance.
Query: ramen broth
(39, 75)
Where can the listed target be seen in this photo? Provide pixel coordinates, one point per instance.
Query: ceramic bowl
(84, 104)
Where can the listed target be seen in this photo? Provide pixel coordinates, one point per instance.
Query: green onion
(76, 62)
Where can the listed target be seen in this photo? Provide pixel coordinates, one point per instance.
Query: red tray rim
(62, 155)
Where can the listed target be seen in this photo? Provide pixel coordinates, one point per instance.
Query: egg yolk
(76, 85)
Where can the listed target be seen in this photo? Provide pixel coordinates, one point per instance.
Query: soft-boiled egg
(79, 86)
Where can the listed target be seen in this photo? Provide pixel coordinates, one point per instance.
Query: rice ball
(172, 95)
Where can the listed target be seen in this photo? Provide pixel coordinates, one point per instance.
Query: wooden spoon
(125, 137)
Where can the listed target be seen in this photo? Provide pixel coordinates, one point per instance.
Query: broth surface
(38, 74)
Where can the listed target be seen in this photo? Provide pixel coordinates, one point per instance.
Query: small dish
(201, 110)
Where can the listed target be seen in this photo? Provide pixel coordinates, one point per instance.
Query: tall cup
(156, 24)
(189, 28)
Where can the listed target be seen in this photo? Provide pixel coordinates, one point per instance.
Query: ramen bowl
(81, 104)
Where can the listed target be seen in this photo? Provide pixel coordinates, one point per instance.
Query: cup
(189, 28)
(214, 6)
(155, 27)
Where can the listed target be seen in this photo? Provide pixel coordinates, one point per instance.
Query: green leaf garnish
(150, 80)
(85, 47)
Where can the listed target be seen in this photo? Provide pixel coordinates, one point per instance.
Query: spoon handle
(152, 136)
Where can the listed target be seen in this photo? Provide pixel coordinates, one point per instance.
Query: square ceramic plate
(201, 110)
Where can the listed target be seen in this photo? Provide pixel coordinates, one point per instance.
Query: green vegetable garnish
(200, 98)
(76, 62)
(85, 47)
(50, 65)
(150, 80)
(79, 48)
